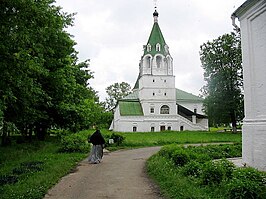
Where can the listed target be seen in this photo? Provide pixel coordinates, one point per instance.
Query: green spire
(156, 39)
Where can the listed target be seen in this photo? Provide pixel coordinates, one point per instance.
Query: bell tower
(156, 59)
(156, 82)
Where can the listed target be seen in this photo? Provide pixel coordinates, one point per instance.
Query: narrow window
(152, 110)
(153, 80)
(158, 47)
(165, 80)
(148, 62)
(148, 47)
(164, 94)
(152, 129)
(153, 94)
(134, 128)
(158, 61)
(164, 109)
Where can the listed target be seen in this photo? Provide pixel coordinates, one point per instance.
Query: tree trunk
(5, 140)
(233, 120)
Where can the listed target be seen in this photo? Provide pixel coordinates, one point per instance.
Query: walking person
(98, 142)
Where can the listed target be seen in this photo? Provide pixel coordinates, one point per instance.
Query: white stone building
(156, 104)
(252, 17)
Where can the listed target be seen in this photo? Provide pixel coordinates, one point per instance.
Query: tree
(42, 84)
(222, 64)
(115, 92)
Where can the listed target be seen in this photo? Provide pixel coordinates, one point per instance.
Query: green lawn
(19, 161)
(162, 138)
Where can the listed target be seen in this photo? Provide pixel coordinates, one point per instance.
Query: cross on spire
(155, 14)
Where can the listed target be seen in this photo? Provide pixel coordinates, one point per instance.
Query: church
(155, 103)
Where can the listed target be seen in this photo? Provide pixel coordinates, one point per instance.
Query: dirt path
(121, 175)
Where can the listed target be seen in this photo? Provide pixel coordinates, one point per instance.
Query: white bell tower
(156, 83)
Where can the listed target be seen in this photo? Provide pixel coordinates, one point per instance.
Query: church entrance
(162, 128)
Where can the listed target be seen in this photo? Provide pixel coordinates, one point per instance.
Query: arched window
(164, 109)
(158, 47)
(148, 47)
(158, 61)
(148, 62)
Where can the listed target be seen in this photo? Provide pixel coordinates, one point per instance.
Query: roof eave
(244, 8)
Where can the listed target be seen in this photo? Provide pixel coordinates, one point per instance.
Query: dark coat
(96, 138)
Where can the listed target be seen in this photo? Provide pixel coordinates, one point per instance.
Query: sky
(111, 33)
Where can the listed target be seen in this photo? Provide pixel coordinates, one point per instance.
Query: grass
(33, 184)
(185, 137)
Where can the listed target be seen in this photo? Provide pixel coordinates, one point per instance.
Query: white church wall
(145, 123)
(157, 81)
(253, 40)
(156, 105)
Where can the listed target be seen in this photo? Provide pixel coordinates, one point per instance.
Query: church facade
(155, 103)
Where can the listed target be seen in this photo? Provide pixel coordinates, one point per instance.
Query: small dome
(155, 14)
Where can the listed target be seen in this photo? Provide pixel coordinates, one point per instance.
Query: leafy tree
(42, 85)
(221, 61)
(115, 92)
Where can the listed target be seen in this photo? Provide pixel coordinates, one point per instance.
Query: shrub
(74, 143)
(228, 167)
(212, 173)
(118, 138)
(180, 157)
(168, 150)
(192, 169)
(247, 183)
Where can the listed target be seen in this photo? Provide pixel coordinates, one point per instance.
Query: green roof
(184, 96)
(134, 96)
(156, 36)
(130, 108)
(180, 96)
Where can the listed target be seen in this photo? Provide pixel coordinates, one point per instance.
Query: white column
(253, 33)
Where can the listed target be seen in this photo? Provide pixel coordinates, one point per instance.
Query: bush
(168, 150)
(180, 157)
(247, 183)
(74, 143)
(212, 173)
(228, 168)
(118, 139)
(192, 169)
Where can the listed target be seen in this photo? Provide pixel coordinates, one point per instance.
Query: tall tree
(222, 64)
(115, 92)
(42, 85)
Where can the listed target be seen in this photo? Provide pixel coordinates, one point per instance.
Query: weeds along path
(121, 175)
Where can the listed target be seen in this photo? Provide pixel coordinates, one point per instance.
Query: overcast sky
(111, 33)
